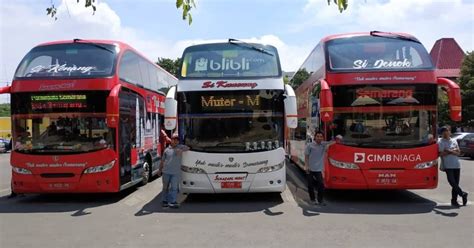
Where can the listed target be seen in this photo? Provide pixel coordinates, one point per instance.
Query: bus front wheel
(145, 173)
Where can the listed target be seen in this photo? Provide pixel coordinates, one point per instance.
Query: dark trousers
(315, 180)
(453, 179)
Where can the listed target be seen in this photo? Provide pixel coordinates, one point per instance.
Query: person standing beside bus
(170, 168)
(314, 165)
(449, 151)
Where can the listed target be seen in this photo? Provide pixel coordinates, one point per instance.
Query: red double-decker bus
(86, 117)
(378, 91)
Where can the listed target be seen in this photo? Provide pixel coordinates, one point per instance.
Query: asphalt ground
(135, 218)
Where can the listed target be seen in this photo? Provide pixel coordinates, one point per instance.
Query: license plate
(59, 185)
(231, 185)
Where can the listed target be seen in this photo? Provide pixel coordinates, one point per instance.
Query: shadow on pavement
(218, 203)
(59, 203)
(357, 201)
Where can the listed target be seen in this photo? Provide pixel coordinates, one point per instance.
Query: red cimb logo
(359, 157)
(377, 93)
(226, 84)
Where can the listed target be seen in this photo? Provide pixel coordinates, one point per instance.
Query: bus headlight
(271, 168)
(194, 170)
(100, 168)
(21, 170)
(343, 165)
(426, 165)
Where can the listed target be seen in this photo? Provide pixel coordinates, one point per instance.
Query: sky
(155, 27)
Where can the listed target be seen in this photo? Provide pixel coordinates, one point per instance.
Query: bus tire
(145, 173)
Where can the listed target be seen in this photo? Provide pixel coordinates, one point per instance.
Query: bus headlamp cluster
(343, 165)
(272, 168)
(194, 170)
(262, 145)
(426, 165)
(100, 168)
(21, 170)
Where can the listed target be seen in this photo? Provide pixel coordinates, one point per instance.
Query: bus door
(127, 132)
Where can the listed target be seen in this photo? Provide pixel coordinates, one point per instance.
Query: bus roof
(227, 42)
(356, 34)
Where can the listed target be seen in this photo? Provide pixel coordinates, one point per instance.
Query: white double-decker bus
(231, 107)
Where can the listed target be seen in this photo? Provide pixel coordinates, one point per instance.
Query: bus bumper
(27, 184)
(382, 179)
(259, 182)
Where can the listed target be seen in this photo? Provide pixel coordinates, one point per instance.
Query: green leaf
(185, 11)
(190, 19)
(179, 3)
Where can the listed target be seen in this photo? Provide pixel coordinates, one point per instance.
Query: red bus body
(103, 132)
(389, 106)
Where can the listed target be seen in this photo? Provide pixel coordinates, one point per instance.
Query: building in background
(5, 127)
(447, 56)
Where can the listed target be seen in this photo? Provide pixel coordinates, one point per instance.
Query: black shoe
(174, 205)
(464, 199)
(454, 203)
(321, 203)
(164, 204)
(12, 195)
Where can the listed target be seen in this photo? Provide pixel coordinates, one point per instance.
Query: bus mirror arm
(454, 95)
(5, 90)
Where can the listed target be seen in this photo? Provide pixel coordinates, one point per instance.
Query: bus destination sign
(219, 102)
(78, 101)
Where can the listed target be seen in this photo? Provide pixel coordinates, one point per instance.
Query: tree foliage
(466, 82)
(300, 76)
(184, 5)
(4, 109)
(170, 65)
(341, 4)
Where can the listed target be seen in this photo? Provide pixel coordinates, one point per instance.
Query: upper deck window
(230, 60)
(376, 53)
(71, 60)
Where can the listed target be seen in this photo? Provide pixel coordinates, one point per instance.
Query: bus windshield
(71, 60)
(230, 60)
(379, 116)
(59, 122)
(229, 122)
(377, 53)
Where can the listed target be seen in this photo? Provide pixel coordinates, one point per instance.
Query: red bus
(378, 91)
(86, 117)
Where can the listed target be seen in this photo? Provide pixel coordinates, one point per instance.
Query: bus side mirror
(112, 106)
(291, 113)
(454, 95)
(171, 109)
(326, 110)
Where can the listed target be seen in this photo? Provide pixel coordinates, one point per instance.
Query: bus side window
(129, 69)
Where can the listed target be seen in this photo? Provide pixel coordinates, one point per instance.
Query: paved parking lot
(134, 218)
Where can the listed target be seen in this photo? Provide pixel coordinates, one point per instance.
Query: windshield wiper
(230, 142)
(93, 44)
(393, 36)
(247, 45)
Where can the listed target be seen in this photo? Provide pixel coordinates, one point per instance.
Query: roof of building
(447, 56)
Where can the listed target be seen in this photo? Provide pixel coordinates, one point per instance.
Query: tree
(170, 65)
(466, 83)
(185, 5)
(4, 109)
(341, 4)
(300, 76)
